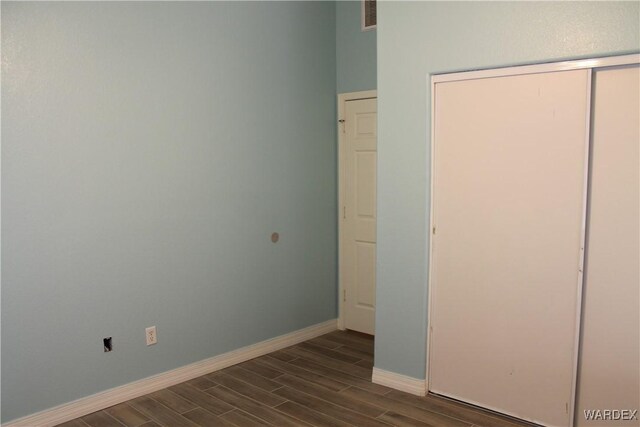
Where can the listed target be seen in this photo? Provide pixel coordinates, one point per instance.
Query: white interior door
(610, 348)
(508, 211)
(358, 257)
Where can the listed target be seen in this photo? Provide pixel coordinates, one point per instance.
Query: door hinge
(434, 230)
(344, 212)
(342, 121)
(344, 295)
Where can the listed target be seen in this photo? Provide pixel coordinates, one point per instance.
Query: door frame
(432, 80)
(342, 171)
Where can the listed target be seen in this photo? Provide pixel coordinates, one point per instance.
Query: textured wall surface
(149, 150)
(355, 49)
(416, 39)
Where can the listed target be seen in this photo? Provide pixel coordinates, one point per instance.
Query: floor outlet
(152, 337)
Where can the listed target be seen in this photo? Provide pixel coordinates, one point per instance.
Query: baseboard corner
(400, 382)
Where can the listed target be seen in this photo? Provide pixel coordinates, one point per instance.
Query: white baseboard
(105, 399)
(399, 382)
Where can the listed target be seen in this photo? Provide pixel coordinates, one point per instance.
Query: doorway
(357, 145)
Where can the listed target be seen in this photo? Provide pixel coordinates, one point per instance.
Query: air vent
(368, 14)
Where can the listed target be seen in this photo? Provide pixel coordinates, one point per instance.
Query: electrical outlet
(152, 336)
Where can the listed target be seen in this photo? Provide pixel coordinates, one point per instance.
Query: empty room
(320, 213)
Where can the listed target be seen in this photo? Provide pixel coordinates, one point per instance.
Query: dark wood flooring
(325, 381)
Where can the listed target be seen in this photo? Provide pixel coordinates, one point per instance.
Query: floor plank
(323, 342)
(335, 411)
(259, 410)
(331, 396)
(405, 409)
(312, 417)
(402, 420)
(201, 383)
(202, 399)
(348, 351)
(328, 353)
(252, 378)
(173, 401)
(349, 368)
(350, 337)
(127, 415)
(74, 423)
(259, 369)
(283, 355)
(340, 376)
(242, 419)
(249, 390)
(290, 369)
(160, 413)
(101, 419)
(206, 419)
(366, 347)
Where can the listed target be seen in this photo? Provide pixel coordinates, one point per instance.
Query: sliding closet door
(508, 206)
(610, 356)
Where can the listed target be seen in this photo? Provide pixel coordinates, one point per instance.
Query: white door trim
(342, 99)
(592, 64)
(609, 61)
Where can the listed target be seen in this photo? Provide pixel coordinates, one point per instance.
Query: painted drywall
(149, 150)
(416, 39)
(355, 49)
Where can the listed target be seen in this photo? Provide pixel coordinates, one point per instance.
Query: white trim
(105, 399)
(431, 235)
(342, 99)
(610, 61)
(399, 382)
(583, 239)
(362, 26)
(352, 96)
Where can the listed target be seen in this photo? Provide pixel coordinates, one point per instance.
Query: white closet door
(610, 356)
(508, 208)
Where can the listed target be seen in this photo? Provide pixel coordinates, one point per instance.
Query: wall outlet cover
(152, 336)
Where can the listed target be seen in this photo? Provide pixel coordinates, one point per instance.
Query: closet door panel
(610, 347)
(508, 206)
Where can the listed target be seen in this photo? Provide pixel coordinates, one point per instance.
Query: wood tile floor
(325, 381)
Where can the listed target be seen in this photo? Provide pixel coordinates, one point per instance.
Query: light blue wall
(355, 49)
(149, 150)
(416, 39)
